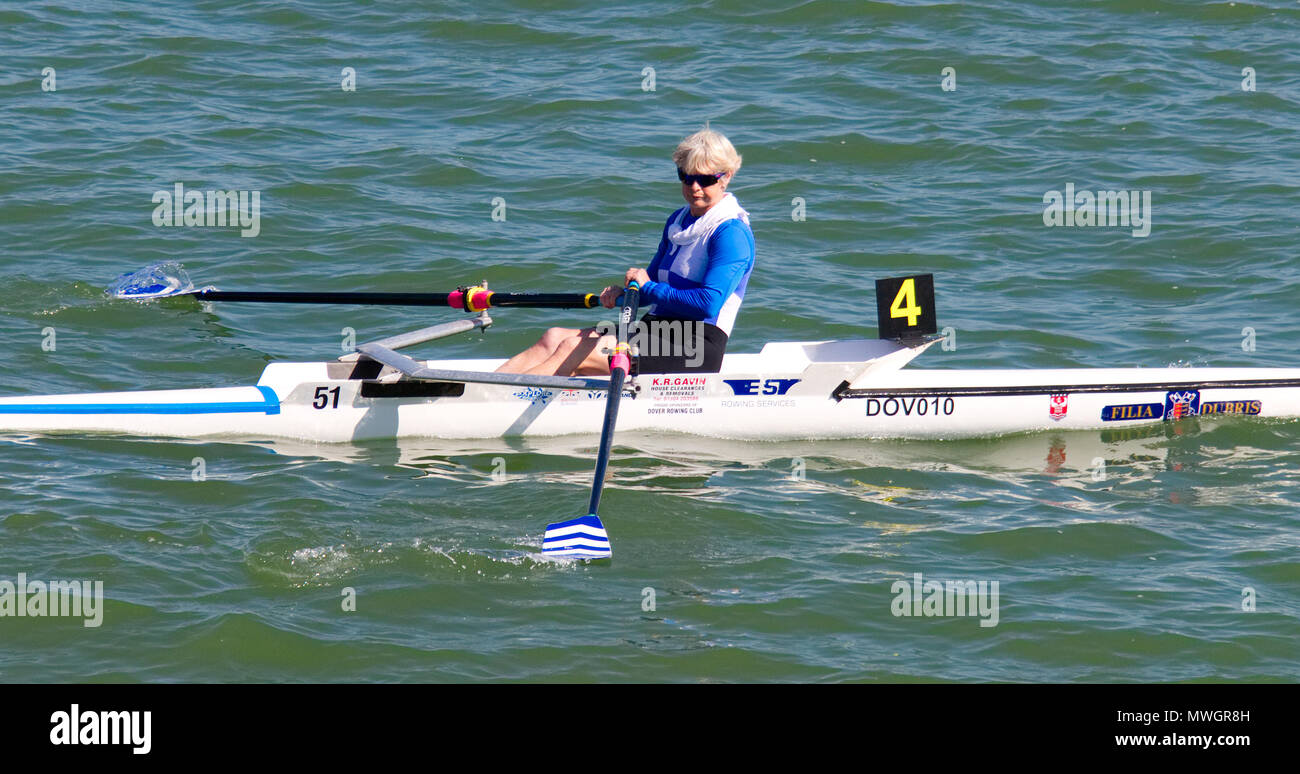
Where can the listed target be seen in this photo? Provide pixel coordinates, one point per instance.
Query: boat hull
(773, 396)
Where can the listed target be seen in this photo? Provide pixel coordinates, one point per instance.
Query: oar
(474, 299)
(170, 280)
(585, 536)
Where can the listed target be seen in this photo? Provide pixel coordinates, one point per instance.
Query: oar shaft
(289, 297)
(619, 365)
(585, 537)
(455, 300)
(606, 438)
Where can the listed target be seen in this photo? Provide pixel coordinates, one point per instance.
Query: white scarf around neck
(716, 215)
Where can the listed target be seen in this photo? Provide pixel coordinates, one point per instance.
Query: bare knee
(596, 360)
(556, 337)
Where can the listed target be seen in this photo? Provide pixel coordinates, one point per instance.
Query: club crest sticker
(1059, 406)
(1181, 404)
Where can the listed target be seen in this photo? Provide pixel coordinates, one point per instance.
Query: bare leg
(579, 355)
(536, 354)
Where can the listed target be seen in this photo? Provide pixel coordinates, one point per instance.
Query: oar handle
(620, 359)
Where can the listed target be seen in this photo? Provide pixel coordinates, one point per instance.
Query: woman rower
(692, 288)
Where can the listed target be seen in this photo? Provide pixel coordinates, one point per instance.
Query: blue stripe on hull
(269, 405)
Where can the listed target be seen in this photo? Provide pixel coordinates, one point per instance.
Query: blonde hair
(705, 152)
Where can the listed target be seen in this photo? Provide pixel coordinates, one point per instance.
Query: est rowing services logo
(761, 386)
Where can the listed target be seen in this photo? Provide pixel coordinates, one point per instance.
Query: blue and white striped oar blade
(158, 280)
(580, 538)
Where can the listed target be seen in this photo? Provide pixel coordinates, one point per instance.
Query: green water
(1130, 571)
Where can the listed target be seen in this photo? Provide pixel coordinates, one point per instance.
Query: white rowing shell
(789, 391)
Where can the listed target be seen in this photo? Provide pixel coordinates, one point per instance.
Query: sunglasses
(705, 180)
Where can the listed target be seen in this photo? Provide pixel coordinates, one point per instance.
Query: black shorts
(664, 342)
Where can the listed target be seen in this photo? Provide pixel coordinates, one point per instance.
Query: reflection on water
(1079, 459)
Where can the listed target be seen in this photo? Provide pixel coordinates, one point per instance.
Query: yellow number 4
(906, 295)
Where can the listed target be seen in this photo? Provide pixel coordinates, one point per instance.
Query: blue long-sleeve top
(715, 295)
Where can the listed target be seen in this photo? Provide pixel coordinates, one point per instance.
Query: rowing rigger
(852, 389)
